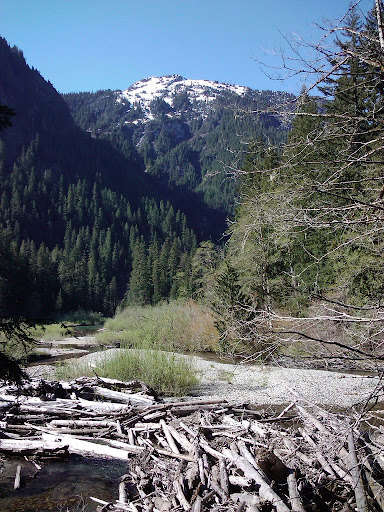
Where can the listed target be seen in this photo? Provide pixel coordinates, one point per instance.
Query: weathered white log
(284, 411)
(224, 482)
(207, 448)
(102, 502)
(119, 383)
(181, 456)
(228, 420)
(125, 398)
(320, 427)
(147, 426)
(154, 415)
(241, 481)
(197, 506)
(124, 446)
(188, 429)
(354, 468)
(181, 439)
(258, 429)
(232, 428)
(87, 448)
(17, 481)
(123, 497)
(131, 437)
(180, 495)
(103, 407)
(26, 445)
(36, 401)
(247, 454)
(59, 411)
(60, 431)
(206, 465)
(82, 423)
(169, 437)
(294, 496)
(200, 466)
(265, 490)
(37, 466)
(70, 411)
(319, 456)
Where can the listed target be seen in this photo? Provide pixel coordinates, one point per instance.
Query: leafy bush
(167, 373)
(174, 326)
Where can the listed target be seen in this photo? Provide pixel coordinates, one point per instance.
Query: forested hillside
(304, 260)
(80, 225)
(186, 133)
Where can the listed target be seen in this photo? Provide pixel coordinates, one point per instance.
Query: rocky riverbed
(261, 384)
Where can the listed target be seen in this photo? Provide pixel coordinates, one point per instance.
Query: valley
(225, 243)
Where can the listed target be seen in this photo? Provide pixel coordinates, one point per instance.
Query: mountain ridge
(165, 87)
(186, 132)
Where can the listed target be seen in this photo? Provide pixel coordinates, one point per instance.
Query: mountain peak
(166, 87)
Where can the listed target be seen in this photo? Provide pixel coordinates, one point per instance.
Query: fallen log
(355, 469)
(17, 482)
(294, 496)
(250, 472)
(82, 423)
(125, 398)
(87, 448)
(32, 446)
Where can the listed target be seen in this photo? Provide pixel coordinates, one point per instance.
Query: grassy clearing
(174, 326)
(65, 325)
(169, 374)
(52, 332)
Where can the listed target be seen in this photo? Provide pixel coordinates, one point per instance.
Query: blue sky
(86, 45)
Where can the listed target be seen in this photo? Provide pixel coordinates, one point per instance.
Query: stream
(61, 485)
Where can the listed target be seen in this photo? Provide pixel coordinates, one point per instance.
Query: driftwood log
(198, 455)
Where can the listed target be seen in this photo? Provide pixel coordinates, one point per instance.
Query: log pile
(199, 455)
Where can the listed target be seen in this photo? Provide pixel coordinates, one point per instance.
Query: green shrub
(175, 326)
(167, 373)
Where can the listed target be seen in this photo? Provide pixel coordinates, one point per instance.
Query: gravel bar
(270, 385)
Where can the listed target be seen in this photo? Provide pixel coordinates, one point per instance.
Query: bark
(355, 469)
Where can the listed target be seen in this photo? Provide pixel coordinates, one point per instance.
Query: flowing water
(61, 485)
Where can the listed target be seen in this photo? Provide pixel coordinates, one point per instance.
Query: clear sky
(86, 45)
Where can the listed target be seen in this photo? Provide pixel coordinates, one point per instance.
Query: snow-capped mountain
(166, 88)
(183, 132)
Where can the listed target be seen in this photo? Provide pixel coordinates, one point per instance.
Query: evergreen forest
(87, 219)
(303, 269)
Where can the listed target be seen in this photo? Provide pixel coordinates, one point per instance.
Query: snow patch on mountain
(166, 87)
